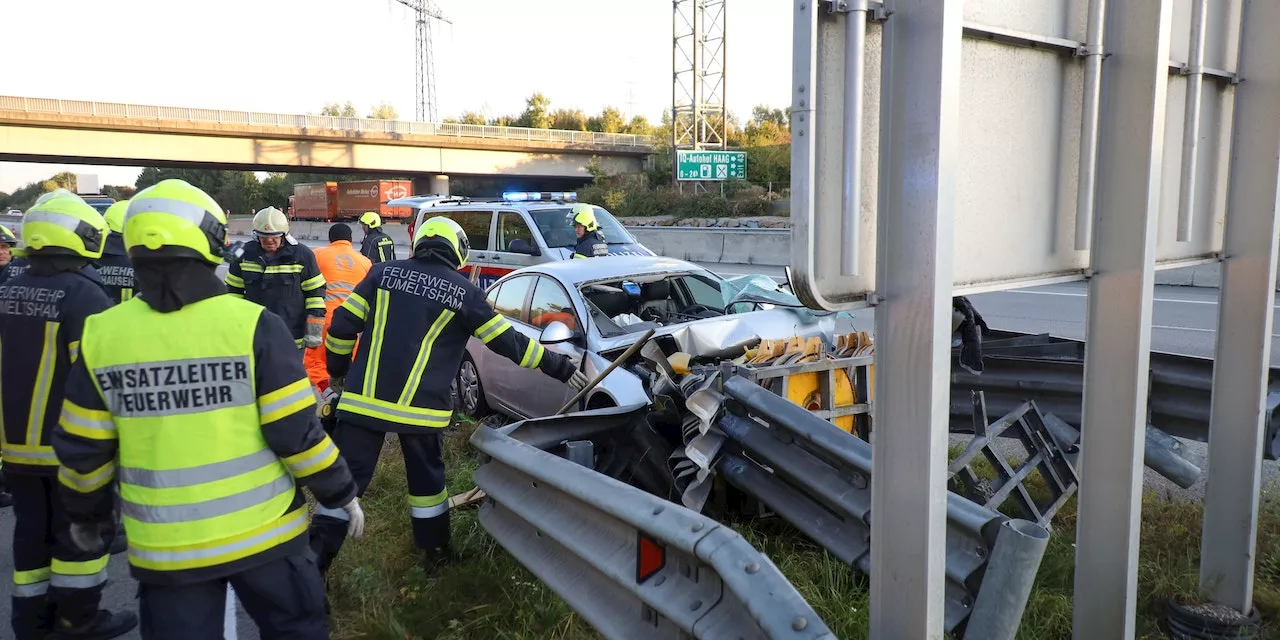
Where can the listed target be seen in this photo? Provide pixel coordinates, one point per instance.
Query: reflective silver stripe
(278, 532)
(71, 223)
(88, 424)
(337, 290)
(190, 212)
(429, 512)
(357, 304)
(86, 483)
(350, 400)
(50, 454)
(299, 466)
(60, 581)
(44, 378)
(155, 514)
(190, 476)
(336, 514)
(276, 405)
(31, 590)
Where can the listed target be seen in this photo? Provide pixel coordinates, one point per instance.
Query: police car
(520, 230)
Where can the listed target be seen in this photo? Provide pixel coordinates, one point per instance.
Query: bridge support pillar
(437, 185)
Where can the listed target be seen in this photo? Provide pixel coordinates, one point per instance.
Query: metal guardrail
(818, 478)
(633, 565)
(222, 116)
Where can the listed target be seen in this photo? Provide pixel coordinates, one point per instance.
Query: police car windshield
(557, 230)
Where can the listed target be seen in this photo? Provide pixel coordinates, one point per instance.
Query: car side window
(476, 224)
(550, 303)
(512, 227)
(510, 299)
(492, 296)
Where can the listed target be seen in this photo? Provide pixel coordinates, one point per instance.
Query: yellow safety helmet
(64, 225)
(270, 221)
(115, 216)
(371, 220)
(444, 239)
(56, 193)
(7, 237)
(584, 215)
(177, 220)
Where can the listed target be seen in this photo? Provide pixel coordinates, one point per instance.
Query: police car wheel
(470, 391)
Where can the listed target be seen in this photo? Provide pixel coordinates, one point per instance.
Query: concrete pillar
(440, 185)
(428, 185)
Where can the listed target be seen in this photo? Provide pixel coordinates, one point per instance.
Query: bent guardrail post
(818, 479)
(633, 565)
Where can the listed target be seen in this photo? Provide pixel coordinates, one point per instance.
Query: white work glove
(578, 381)
(88, 537)
(355, 524)
(337, 384)
(315, 335)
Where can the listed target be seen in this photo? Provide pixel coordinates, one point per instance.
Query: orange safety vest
(343, 268)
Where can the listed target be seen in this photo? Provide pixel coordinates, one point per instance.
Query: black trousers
(49, 571)
(424, 467)
(285, 597)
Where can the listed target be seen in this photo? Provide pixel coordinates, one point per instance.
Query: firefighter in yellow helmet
(281, 274)
(197, 402)
(413, 318)
(57, 586)
(591, 243)
(114, 267)
(377, 246)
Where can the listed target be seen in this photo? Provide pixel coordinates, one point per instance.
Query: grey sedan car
(601, 306)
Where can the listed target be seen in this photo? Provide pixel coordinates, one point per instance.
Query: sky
(293, 56)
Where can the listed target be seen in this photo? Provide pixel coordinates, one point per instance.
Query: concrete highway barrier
(712, 245)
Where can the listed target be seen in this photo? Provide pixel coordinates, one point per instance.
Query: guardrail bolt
(657, 510)
(697, 526)
(697, 604)
(753, 567)
(800, 623)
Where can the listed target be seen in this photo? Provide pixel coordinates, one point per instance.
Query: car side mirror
(522, 246)
(555, 333)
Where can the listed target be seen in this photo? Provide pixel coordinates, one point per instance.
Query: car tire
(470, 392)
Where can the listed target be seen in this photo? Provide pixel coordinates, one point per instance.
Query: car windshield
(557, 230)
(635, 304)
(99, 204)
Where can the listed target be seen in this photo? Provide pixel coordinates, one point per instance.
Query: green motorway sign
(711, 165)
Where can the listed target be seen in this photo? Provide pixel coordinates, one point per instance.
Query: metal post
(855, 45)
(920, 116)
(1135, 80)
(1087, 182)
(1191, 122)
(1244, 317)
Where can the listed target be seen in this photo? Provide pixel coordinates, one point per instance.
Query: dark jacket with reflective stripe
(290, 429)
(288, 283)
(377, 246)
(591, 245)
(15, 268)
(41, 319)
(115, 269)
(414, 318)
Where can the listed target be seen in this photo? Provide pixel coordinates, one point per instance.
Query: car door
(498, 374)
(513, 232)
(550, 302)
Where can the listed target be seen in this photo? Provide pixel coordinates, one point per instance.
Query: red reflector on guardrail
(651, 557)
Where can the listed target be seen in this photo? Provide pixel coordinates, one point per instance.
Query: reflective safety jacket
(591, 245)
(208, 437)
(41, 319)
(288, 283)
(377, 246)
(343, 268)
(116, 269)
(414, 318)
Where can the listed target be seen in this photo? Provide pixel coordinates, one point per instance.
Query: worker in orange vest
(343, 267)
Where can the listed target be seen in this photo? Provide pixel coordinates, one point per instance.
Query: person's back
(114, 267)
(343, 267)
(377, 246)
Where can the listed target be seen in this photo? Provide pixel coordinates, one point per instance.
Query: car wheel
(470, 393)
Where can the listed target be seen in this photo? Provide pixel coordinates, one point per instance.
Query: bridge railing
(222, 116)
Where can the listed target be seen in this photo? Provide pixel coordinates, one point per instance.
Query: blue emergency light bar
(540, 196)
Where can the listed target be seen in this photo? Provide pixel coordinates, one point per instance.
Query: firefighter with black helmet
(413, 318)
(197, 402)
(57, 586)
(281, 274)
(591, 242)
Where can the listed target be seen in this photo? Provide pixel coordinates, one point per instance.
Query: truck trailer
(355, 198)
(314, 201)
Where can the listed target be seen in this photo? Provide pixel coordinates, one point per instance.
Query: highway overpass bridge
(50, 130)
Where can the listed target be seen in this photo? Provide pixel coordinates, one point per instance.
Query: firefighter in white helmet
(279, 273)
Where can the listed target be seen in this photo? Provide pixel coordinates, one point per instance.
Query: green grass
(379, 592)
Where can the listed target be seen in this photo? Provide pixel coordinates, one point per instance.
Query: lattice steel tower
(424, 12)
(698, 115)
